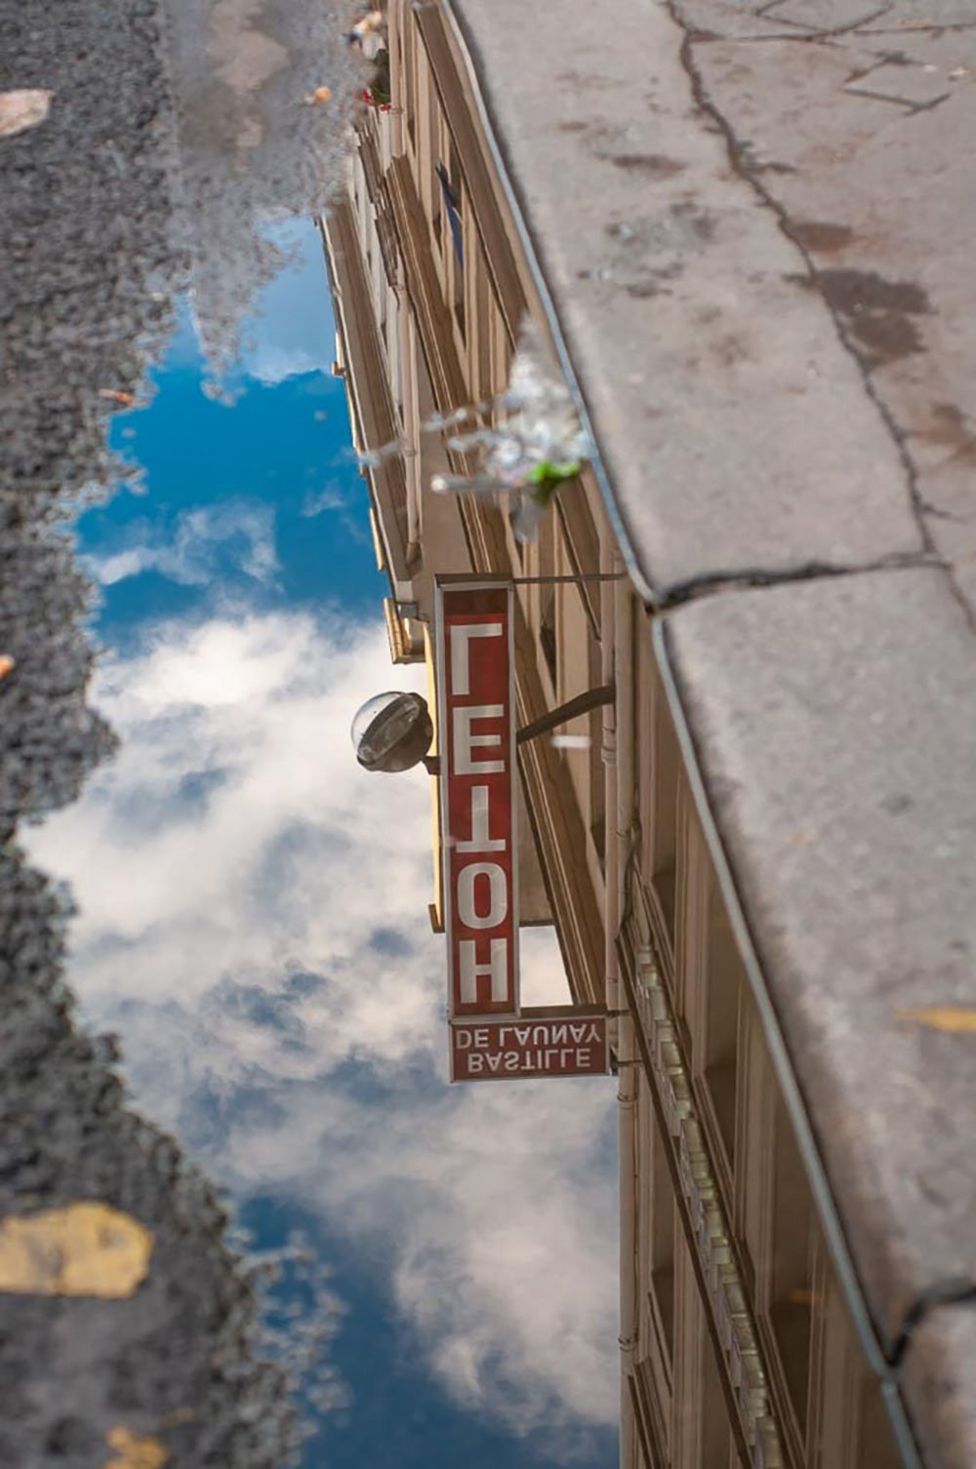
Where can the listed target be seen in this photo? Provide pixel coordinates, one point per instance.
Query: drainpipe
(627, 1077)
(608, 752)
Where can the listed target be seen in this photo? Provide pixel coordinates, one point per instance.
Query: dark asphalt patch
(92, 261)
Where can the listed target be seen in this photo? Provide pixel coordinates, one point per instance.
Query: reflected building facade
(736, 1341)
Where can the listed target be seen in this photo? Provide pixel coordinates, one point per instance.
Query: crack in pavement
(825, 31)
(909, 107)
(748, 172)
(797, 37)
(755, 577)
(959, 1292)
(925, 30)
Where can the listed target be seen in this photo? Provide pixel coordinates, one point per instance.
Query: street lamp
(392, 732)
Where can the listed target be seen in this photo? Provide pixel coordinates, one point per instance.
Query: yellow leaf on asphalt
(134, 1452)
(7, 664)
(23, 109)
(116, 395)
(84, 1249)
(942, 1017)
(319, 96)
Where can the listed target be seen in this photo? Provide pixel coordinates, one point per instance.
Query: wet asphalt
(90, 265)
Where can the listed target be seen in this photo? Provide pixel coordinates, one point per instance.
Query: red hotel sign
(492, 1039)
(476, 720)
(563, 1045)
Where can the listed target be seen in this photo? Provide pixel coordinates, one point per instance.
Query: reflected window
(791, 1287)
(667, 764)
(452, 208)
(725, 978)
(663, 1213)
(716, 1437)
(877, 1448)
(547, 634)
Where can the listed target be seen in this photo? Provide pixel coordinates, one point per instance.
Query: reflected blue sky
(253, 923)
(258, 497)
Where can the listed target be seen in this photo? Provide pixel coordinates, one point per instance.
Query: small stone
(23, 108)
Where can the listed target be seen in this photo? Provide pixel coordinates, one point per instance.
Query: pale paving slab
(733, 420)
(857, 140)
(834, 723)
(939, 1387)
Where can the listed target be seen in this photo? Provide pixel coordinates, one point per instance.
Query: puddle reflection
(253, 923)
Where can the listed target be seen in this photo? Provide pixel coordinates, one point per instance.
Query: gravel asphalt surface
(167, 1374)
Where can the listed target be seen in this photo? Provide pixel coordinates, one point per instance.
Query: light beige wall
(743, 1343)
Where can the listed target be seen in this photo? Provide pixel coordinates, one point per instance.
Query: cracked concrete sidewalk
(767, 301)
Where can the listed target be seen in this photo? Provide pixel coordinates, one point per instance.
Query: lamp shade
(392, 732)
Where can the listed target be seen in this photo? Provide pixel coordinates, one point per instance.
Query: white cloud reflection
(253, 922)
(291, 324)
(271, 365)
(332, 497)
(190, 553)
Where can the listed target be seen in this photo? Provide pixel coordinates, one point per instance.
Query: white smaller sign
(572, 1044)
